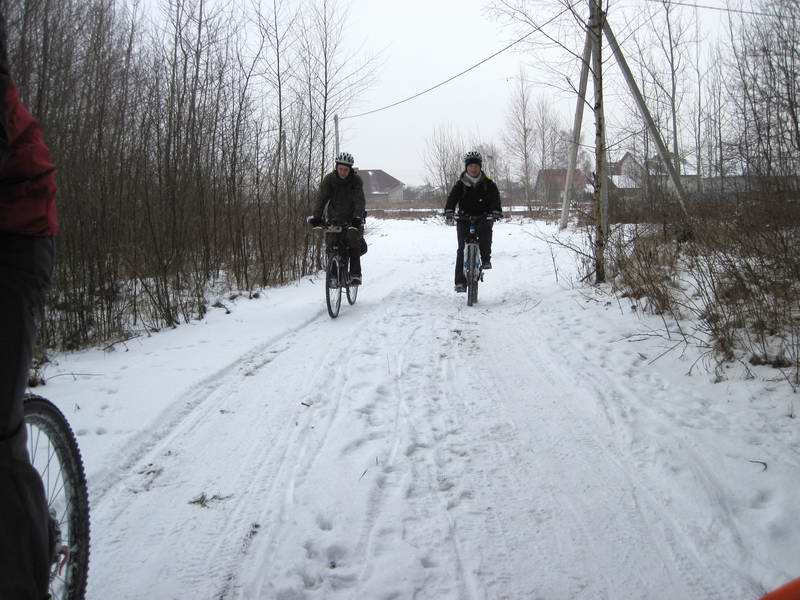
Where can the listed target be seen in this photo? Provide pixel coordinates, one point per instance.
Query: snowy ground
(533, 446)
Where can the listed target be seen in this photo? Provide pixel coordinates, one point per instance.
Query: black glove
(496, 215)
(449, 217)
(315, 221)
(357, 222)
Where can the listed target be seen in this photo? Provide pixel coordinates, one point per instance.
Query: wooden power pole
(596, 27)
(600, 184)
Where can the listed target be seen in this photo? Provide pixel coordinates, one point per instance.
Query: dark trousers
(351, 237)
(484, 243)
(26, 265)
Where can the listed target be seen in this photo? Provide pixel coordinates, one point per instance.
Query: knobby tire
(55, 453)
(472, 274)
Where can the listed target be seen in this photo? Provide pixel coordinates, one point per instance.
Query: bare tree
(179, 168)
(669, 32)
(766, 67)
(519, 134)
(443, 159)
(338, 77)
(547, 132)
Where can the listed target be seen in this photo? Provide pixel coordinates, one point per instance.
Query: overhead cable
(457, 75)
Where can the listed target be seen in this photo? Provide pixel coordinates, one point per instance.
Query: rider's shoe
(355, 279)
(486, 265)
(461, 288)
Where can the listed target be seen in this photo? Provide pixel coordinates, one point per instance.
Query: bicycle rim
(55, 454)
(333, 294)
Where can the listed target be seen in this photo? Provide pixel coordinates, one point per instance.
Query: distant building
(381, 189)
(626, 174)
(550, 185)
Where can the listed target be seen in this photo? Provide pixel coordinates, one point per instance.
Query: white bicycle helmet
(344, 158)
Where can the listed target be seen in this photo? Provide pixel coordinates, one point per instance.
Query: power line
(719, 8)
(457, 75)
(539, 28)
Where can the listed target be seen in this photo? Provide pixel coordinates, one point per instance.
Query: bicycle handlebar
(475, 218)
(334, 228)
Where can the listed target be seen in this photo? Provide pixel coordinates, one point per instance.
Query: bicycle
(55, 454)
(473, 270)
(336, 277)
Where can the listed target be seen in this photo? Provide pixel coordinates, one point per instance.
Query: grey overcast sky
(423, 42)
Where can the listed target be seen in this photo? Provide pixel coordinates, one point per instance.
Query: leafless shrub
(188, 150)
(648, 266)
(738, 277)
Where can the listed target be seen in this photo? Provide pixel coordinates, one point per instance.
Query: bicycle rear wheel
(55, 454)
(352, 293)
(333, 291)
(472, 273)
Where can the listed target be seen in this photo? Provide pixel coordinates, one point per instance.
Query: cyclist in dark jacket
(474, 194)
(28, 221)
(341, 202)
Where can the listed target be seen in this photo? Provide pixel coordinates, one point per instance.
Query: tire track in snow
(249, 486)
(378, 409)
(387, 422)
(192, 407)
(206, 402)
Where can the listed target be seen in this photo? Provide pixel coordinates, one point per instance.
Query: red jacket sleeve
(27, 172)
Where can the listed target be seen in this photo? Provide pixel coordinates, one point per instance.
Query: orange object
(789, 591)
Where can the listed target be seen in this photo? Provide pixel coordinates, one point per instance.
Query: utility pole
(336, 134)
(596, 17)
(651, 125)
(598, 25)
(576, 128)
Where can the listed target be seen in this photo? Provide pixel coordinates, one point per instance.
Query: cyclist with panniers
(341, 202)
(476, 195)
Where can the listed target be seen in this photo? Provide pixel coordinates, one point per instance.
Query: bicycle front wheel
(333, 290)
(55, 454)
(471, 259)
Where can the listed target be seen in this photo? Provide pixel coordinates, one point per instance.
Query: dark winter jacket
(478, 199)
(340, 200)
(27, 173)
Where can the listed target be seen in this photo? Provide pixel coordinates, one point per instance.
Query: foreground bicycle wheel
(333, 291)
(472, 273)
(55, 454)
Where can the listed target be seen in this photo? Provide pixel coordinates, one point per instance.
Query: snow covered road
(417, 448)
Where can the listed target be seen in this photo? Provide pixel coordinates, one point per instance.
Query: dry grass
(737, 277)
